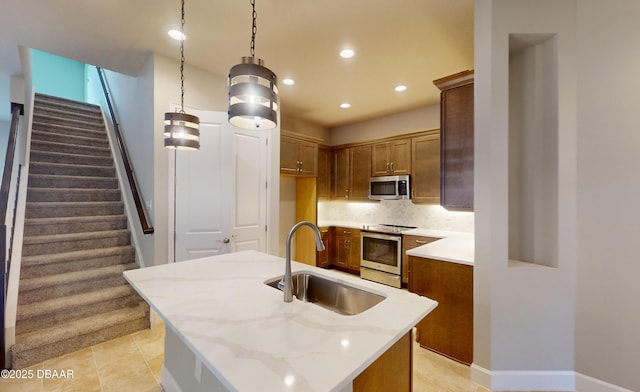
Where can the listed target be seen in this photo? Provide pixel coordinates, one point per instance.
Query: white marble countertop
(251, 340)
(454, 246)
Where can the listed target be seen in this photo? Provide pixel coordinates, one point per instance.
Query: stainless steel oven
(381, 257)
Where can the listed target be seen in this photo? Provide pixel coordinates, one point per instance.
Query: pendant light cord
(254, 28)
(182, 62)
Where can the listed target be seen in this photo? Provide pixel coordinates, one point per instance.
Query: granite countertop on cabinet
(239, 327)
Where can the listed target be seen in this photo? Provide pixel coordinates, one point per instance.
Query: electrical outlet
(198, 370)
(149, 204)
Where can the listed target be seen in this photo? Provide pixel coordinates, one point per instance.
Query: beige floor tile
(156, 366)
(83, 378)
(28, 384)
(126, 372)
(150, 341)
(113, 350)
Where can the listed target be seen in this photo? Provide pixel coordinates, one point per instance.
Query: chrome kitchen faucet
(288, 289)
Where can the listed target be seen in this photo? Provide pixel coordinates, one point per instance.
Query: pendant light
(253, 90)
(181, 130)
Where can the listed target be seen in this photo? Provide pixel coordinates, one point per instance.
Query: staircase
(76, 243)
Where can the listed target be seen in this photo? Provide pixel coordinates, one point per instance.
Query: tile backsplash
(396, 212)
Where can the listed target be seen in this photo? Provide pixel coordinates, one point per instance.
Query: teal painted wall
(58, 76)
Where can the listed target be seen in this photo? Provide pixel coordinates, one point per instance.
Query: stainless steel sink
(336, 296)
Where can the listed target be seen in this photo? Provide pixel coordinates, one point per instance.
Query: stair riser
(70, 149)
(63, 130)
(72, 195)
(69, 113)
(73, 227)
(39, 354)
(47, 157)
(72, 288)
(94, 126)
(71, 246)
(68, 139)
(60, 104)
(44, 181)
(69, 170)
(36, 271)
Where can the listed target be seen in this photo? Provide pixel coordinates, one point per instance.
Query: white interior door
(220, 192)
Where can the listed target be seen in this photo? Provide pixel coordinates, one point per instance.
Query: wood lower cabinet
(391, 158)
(323, 258)
(448, 329)
(409, 242)
(390, 372)
(346, 253)
(425, 164)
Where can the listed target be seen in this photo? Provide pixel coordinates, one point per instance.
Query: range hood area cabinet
(298, 155)
(456, 125)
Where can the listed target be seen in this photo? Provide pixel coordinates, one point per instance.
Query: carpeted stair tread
(71, 170)
(75, 328)
(56, 181)
(69, 120)
(56, 238)
(69, 148)
(52, 195)
(73, 224)
(69, 139)
(75, 159)
(44, 100)
(68, 130)
(72, 301)
(76, 276)
(85, 254)
(69, 113)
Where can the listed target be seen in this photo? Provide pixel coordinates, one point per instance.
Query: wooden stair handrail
(146, 228)
(5, 186)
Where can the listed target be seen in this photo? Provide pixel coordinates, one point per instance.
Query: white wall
(576, 325)
(523, 315)
(416, 120)
(608, 185)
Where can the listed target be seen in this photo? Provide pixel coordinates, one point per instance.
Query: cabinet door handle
(421, 242)
(413, 192)
(388, 167)
(301, 165)
(392, 167)
(346, 232)
(346, 193)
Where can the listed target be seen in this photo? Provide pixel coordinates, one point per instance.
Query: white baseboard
(524, 380)
(167, 381)
(589, 384)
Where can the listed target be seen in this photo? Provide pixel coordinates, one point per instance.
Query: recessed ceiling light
(347, 53)
(177, 35)
(288, 82)
(400, 88)
(345, 105)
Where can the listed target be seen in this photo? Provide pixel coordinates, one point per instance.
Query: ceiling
(410, 42)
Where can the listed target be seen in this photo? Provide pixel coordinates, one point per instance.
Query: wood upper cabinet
(360, 167)
(347, 249)
(456, 123)
(323, 181)
(352, 166)
(298, 157)
(448, 329)
(409, 242)
(425, 168)
(391, 158)
(341, 169)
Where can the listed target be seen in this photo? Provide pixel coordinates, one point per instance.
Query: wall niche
(533, 150)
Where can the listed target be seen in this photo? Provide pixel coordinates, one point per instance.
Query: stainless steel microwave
(390, 188)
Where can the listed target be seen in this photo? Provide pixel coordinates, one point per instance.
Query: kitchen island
(227, 330)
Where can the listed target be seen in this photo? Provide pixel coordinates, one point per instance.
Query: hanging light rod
(181, 130)
(253, 90)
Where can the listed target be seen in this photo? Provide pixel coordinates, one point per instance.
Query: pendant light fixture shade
(181, 130)
(253, 91)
